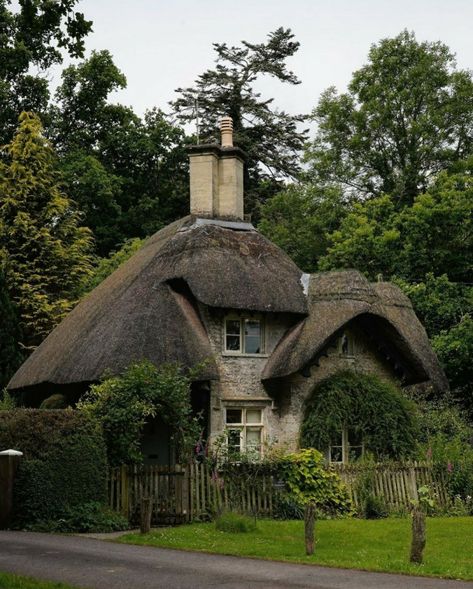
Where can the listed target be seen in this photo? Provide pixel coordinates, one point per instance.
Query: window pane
(354, 437)
(336, 454)
(233, 327)
(354, 453)
(252, 336)
(253, 416)
(234, 440)
(233, 343)
(234, 416)
(337, 439)
(253, 439)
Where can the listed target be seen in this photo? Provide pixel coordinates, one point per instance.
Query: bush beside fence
(194, 492)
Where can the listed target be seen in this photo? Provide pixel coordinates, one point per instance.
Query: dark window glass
(234, 416)
(336, 454)
(233, 327)
(233, 343)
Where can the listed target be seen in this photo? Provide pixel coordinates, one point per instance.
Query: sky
(163, 44)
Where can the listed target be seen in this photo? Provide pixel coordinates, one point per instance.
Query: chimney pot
(226, 130)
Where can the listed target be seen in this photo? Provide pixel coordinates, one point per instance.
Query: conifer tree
(47, 254)
(10, 355)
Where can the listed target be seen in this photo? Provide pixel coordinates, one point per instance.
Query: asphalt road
(95, 564)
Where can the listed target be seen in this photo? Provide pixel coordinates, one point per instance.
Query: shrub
(286, 506)
(64, 464)
(235, 523)
(446, 442)
(307, 480)
(374, 507)
(88, 517)
(123, 404)
(56, 401)
(363, 401)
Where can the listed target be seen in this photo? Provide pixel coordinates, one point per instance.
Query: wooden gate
(166, 486)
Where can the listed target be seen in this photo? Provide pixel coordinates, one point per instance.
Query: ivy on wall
(367, 404)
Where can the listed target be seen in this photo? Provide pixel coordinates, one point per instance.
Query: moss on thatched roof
(146, 309)
(336, 299)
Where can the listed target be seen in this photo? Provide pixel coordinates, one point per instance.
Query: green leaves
(407, 115)
(270, 137)
(365, 403)
(308, 480)
(123, 405)
(47, 254)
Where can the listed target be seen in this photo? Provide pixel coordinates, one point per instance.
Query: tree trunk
(418, 535)
(146, 509)
(309, 523)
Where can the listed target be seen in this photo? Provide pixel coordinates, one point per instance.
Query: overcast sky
(162, 44)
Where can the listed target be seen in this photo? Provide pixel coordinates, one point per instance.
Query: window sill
(241, 355)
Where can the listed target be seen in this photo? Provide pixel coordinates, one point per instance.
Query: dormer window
(244, 335)
(346, 345)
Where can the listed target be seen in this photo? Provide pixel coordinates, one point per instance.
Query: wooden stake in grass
(418, 535)
(309, 523)
(146, 509)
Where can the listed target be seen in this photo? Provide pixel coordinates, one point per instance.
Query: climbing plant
(365, 403)
(124, 403)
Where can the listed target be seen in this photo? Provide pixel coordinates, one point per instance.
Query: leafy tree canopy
(47, 254)
(34, 33)
(408, 114)
(270, 137)
(299, 220)
(433, 235)
(128, 174)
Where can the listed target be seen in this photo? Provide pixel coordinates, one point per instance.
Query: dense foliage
(123, 404)
(47, 254)
(308, 480)
(270, 137)
(364, 403)
(64, 466)
(445, 440)
(35, 34)
(10, 337)
(406, 116)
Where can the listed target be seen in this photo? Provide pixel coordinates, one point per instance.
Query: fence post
(9, 461)
(309, 523)
(146, 510)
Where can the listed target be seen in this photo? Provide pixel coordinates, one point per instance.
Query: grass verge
(8, 581)
(372, 545)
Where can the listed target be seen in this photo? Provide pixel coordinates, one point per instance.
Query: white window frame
(244, 426)
(345, 448)
(242, 319)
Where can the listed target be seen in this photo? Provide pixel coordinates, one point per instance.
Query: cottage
(211, 287)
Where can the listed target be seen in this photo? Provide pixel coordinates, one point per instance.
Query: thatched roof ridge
(335, 299)
(137, 312)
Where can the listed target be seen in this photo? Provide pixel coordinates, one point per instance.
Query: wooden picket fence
(193, 492)
(395, 484)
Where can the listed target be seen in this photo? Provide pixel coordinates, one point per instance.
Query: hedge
(64, 463)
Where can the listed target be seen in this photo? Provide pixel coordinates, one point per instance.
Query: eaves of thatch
(146, 309)
(338, 298)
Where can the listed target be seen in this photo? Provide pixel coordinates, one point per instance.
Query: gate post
(9, 461)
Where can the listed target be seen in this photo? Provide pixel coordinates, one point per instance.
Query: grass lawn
(8, 581)
(373, 545)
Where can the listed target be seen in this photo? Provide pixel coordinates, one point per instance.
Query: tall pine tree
(47, 253)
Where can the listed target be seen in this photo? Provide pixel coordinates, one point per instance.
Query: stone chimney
(216, 177)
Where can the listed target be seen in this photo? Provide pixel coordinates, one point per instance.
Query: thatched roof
(146, 308)
(336, 299)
